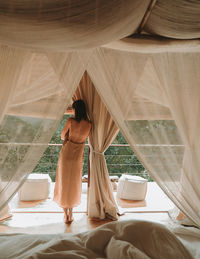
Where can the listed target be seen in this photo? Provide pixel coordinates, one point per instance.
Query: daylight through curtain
(153, 95)
(55, 25)
(150, 87)
(36, 89)
(101, 203)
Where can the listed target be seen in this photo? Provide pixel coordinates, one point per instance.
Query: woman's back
(79, 131)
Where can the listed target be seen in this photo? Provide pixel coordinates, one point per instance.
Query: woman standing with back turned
(67, 191)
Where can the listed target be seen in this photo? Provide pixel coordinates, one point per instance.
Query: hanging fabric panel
(31, 119)
(11, 64)
(166, 141)
(101, 203)
(176, 19)
(180, 79)
(68, 25)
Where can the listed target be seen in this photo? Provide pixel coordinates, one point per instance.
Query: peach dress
(67, 192)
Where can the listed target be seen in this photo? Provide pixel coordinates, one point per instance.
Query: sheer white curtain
(62, 25)
(11, 64)
(36, 88)
(180, 85)
(177, 19)
(43, 85)
(68, 25)
(101, 203)
(156, 111)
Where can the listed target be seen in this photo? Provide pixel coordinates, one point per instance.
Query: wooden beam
(146, 16)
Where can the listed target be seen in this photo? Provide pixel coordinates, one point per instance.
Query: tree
(120, 159)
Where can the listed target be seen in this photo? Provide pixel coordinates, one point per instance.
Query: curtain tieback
(99, 153)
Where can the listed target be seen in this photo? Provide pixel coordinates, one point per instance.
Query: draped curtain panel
(36, 89)
(177, 19)
(180, 80)
(11, 64)
(150, 87)
(4, 213)
(101, 203)
(154, 99)
(151, 91)
(63, 25)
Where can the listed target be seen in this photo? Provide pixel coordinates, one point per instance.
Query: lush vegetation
(15, 130)
(120, 159)
(24, 130)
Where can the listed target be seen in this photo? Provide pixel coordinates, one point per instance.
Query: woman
(67, 191)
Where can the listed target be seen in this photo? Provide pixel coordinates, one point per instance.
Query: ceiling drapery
(45, 58)
(60, 25)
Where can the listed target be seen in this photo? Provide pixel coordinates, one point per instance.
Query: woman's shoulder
(88, 121)
(68, 121)
(71, 119)
(81, 121)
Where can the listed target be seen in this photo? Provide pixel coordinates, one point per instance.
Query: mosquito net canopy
(147, 84)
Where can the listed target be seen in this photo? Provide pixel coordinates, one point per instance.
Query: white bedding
(125, 239)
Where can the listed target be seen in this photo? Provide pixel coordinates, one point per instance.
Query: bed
(126, 239)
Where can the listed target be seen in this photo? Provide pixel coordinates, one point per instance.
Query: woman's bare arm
(65, 129)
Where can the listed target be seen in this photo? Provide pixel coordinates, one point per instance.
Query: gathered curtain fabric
(35, 88)
(101, 203)
(153, 96)
(149, 87)
(11, 65)
(180, 79)
(55, 25)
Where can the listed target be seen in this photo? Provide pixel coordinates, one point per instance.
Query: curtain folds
(81, 24)
(175, 19)
(181, 87)
(157, 112)
(11, 65)
(101, 203)
(152, 94)
(68, 25)
(37, 95)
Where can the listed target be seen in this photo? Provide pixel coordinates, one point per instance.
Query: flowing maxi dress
(67, 192)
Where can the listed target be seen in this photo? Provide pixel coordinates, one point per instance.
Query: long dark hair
(80, 110)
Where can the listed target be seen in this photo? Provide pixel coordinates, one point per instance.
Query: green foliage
(150, 132)
(120, 159)
(18, 129)
(56, 137)
(15, 130)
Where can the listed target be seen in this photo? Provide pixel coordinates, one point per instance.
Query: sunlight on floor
(46, 217)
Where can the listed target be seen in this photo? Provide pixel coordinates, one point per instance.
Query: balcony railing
(119, 157)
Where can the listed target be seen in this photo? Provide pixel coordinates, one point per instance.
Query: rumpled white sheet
(125, 239)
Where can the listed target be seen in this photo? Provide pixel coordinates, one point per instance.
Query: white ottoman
(132, 187)
(35, 187)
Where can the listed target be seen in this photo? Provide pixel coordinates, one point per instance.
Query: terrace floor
(46, 217)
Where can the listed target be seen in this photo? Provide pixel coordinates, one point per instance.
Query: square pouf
(132, 187)
(35, 187)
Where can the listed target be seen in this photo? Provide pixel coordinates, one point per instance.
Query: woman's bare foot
(70, 219)
(66, 215)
